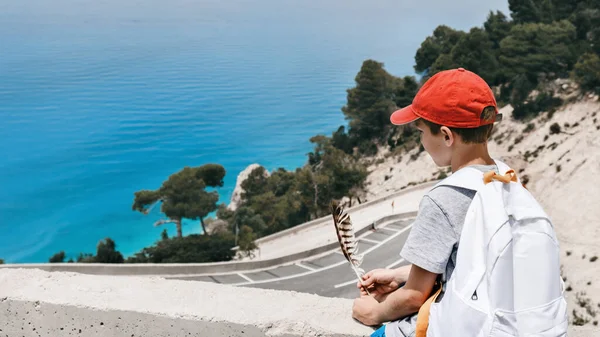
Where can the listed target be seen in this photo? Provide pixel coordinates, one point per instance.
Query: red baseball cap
(454, 98)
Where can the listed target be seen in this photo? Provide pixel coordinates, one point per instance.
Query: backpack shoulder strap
(470, 178)
(502, 167)
(467, 177)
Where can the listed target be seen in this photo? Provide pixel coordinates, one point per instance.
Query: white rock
(236, 197)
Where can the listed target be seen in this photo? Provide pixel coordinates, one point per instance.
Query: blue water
(100, 98)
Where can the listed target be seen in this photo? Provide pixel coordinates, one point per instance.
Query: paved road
(326, 275)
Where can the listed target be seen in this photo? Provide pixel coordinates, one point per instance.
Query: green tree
(211, 174)
(269, 203)
(106, 252)
(587, 72)
(405, 136)
(440, 43)
(225, 213)
(587, 22)
(546, 11)
(537, 48)
(333, 174)
(369, 104)
(443, 62)
(274, 211)
(164, 235)
(1, 261)
(474, 51)
(497, 26)
(280, 182)
(404, 91)
(184, 195)
(312, 187)
(526, 11)
(246, 243)
(86, 258)
(453, 49)
(57, 258)
(564, 9)
(341, 140)
(521, 86)
(246, 216)
(255, 184)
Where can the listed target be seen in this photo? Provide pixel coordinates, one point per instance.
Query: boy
(454, 111)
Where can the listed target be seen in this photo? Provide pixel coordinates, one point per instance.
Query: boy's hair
(470, 136)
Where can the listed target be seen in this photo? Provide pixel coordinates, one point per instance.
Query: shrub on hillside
(57, 258)
(587, 72)
(106, 252)
(530, 127)
(188, 249)
(543, 102)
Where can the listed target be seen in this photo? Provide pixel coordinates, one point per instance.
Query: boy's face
(438, 146)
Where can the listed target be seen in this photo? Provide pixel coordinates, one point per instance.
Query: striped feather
(346, 238)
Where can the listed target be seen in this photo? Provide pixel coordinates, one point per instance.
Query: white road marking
(245, 277)
(369, 240)
(346, 283)
(305, 266)
(395, 264)
(391, 237)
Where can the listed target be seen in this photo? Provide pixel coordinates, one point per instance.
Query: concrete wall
(35, 303)
(38, 303)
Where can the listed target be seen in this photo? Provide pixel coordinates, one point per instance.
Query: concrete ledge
(38, 303)
(193, 268)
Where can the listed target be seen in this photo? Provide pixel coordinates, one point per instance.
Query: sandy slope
(564, 174)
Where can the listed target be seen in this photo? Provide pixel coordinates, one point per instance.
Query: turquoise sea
(100, 98)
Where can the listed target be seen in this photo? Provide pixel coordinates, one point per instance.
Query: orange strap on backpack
(506, 178)
(492, 175)
(423, 315)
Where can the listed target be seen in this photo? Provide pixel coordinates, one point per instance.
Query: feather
(347, 240)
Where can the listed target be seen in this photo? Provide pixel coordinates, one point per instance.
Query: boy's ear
(448, 135)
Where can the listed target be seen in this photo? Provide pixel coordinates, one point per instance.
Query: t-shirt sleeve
(431, 239)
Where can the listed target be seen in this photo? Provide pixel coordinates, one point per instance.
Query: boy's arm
(402, 273)
(428, 248)
(408, 299)
(400, 303)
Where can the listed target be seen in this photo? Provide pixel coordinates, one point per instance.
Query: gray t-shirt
(433, 240)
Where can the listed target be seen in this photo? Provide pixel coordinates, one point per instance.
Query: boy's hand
(379, 282)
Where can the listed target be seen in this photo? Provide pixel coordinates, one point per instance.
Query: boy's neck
(470, 154)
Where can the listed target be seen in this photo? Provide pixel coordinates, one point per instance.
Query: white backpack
(507, 278)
